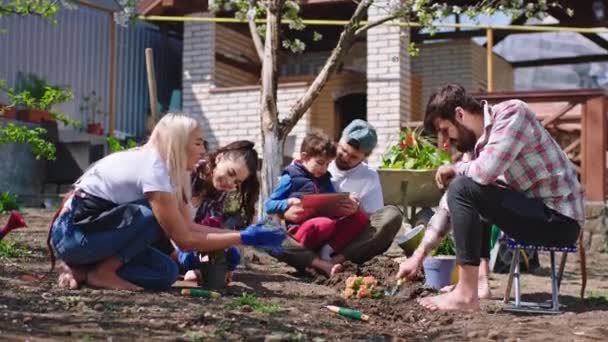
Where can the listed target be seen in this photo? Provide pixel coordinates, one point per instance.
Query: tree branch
(347, 38)
(368, 26)
(253, 29)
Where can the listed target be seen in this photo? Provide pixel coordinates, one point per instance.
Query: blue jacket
(296, 181)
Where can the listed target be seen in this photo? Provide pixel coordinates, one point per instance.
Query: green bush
(8, 202)
(115, 145)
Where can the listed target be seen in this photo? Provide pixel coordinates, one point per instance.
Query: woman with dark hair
(232, 169)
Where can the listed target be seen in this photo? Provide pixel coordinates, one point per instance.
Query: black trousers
(526, 220)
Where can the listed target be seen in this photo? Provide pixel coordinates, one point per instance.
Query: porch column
(198, 67)
(388, 79)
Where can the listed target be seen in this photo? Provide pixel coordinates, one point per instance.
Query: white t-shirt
(125, 177)
(361, 180)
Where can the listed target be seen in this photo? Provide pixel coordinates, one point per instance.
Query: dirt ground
(35, 310)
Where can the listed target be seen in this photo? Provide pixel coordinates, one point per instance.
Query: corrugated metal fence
(76, 53)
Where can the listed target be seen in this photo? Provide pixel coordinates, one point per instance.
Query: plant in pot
(214, 270)
(34, 99)
(439, 266)
(90, 107)
(408, 170)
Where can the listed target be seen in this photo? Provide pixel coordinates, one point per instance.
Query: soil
(33, 308)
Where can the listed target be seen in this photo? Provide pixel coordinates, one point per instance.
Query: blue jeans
(143, 265)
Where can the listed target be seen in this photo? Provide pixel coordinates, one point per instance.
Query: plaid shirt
(516, 148)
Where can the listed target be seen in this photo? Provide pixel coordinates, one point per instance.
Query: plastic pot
(410, 240)
(438, 271)
(214, 275)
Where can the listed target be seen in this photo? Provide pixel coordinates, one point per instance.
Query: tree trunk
(272, 146)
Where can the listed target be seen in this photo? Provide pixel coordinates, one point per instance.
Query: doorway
(348, 108)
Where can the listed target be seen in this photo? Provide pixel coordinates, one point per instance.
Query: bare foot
(337, 268)
(483, 290)
(101, 278)
(447, 288)
(327, 268)
(192, 275)
(71, 277)
(453, 300)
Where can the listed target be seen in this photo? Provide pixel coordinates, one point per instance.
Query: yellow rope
(323, 22)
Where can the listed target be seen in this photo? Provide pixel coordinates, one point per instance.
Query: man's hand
(350, 205)
(444, 175)
(411, 267)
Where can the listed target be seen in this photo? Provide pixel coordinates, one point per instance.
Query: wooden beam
(490, 59)
(560, 61)
(593, 149)
(249, 67)
(550, 119)
(112, 109)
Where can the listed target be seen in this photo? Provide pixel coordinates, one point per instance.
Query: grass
(595, 300)
(10, 249)
(255, 303)
(195, 336)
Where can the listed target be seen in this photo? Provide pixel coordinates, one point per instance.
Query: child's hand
(293, 201)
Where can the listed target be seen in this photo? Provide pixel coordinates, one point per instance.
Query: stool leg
(510, 278)
(583, 259)
(516, 279)
(560, 272)
(554, 285)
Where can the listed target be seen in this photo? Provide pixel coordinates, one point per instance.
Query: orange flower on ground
(363, 292)
(350, 281)
(348, 292)
(370, 280)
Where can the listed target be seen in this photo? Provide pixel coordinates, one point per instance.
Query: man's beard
(466, 139)
(341, 165)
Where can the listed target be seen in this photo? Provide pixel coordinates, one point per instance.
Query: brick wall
(461, 61)
(226, 113)
(388, 79)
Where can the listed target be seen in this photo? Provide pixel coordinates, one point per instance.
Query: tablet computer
(326, 205)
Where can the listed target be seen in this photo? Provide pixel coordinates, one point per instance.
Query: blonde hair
(170, 139)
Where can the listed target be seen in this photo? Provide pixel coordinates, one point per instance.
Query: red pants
(338, 233)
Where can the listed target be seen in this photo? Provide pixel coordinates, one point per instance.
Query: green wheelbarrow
(414, 190)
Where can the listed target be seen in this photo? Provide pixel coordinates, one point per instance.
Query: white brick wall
(388, 80)
(226, 116)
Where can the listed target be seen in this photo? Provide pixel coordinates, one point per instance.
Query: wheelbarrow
(414, 190)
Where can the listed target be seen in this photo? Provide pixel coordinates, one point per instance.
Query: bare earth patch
(34, 309)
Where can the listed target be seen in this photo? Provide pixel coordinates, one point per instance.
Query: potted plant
(34, 98)
(213, 271)
(90, 108)
(438, 267)
(408, 170)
